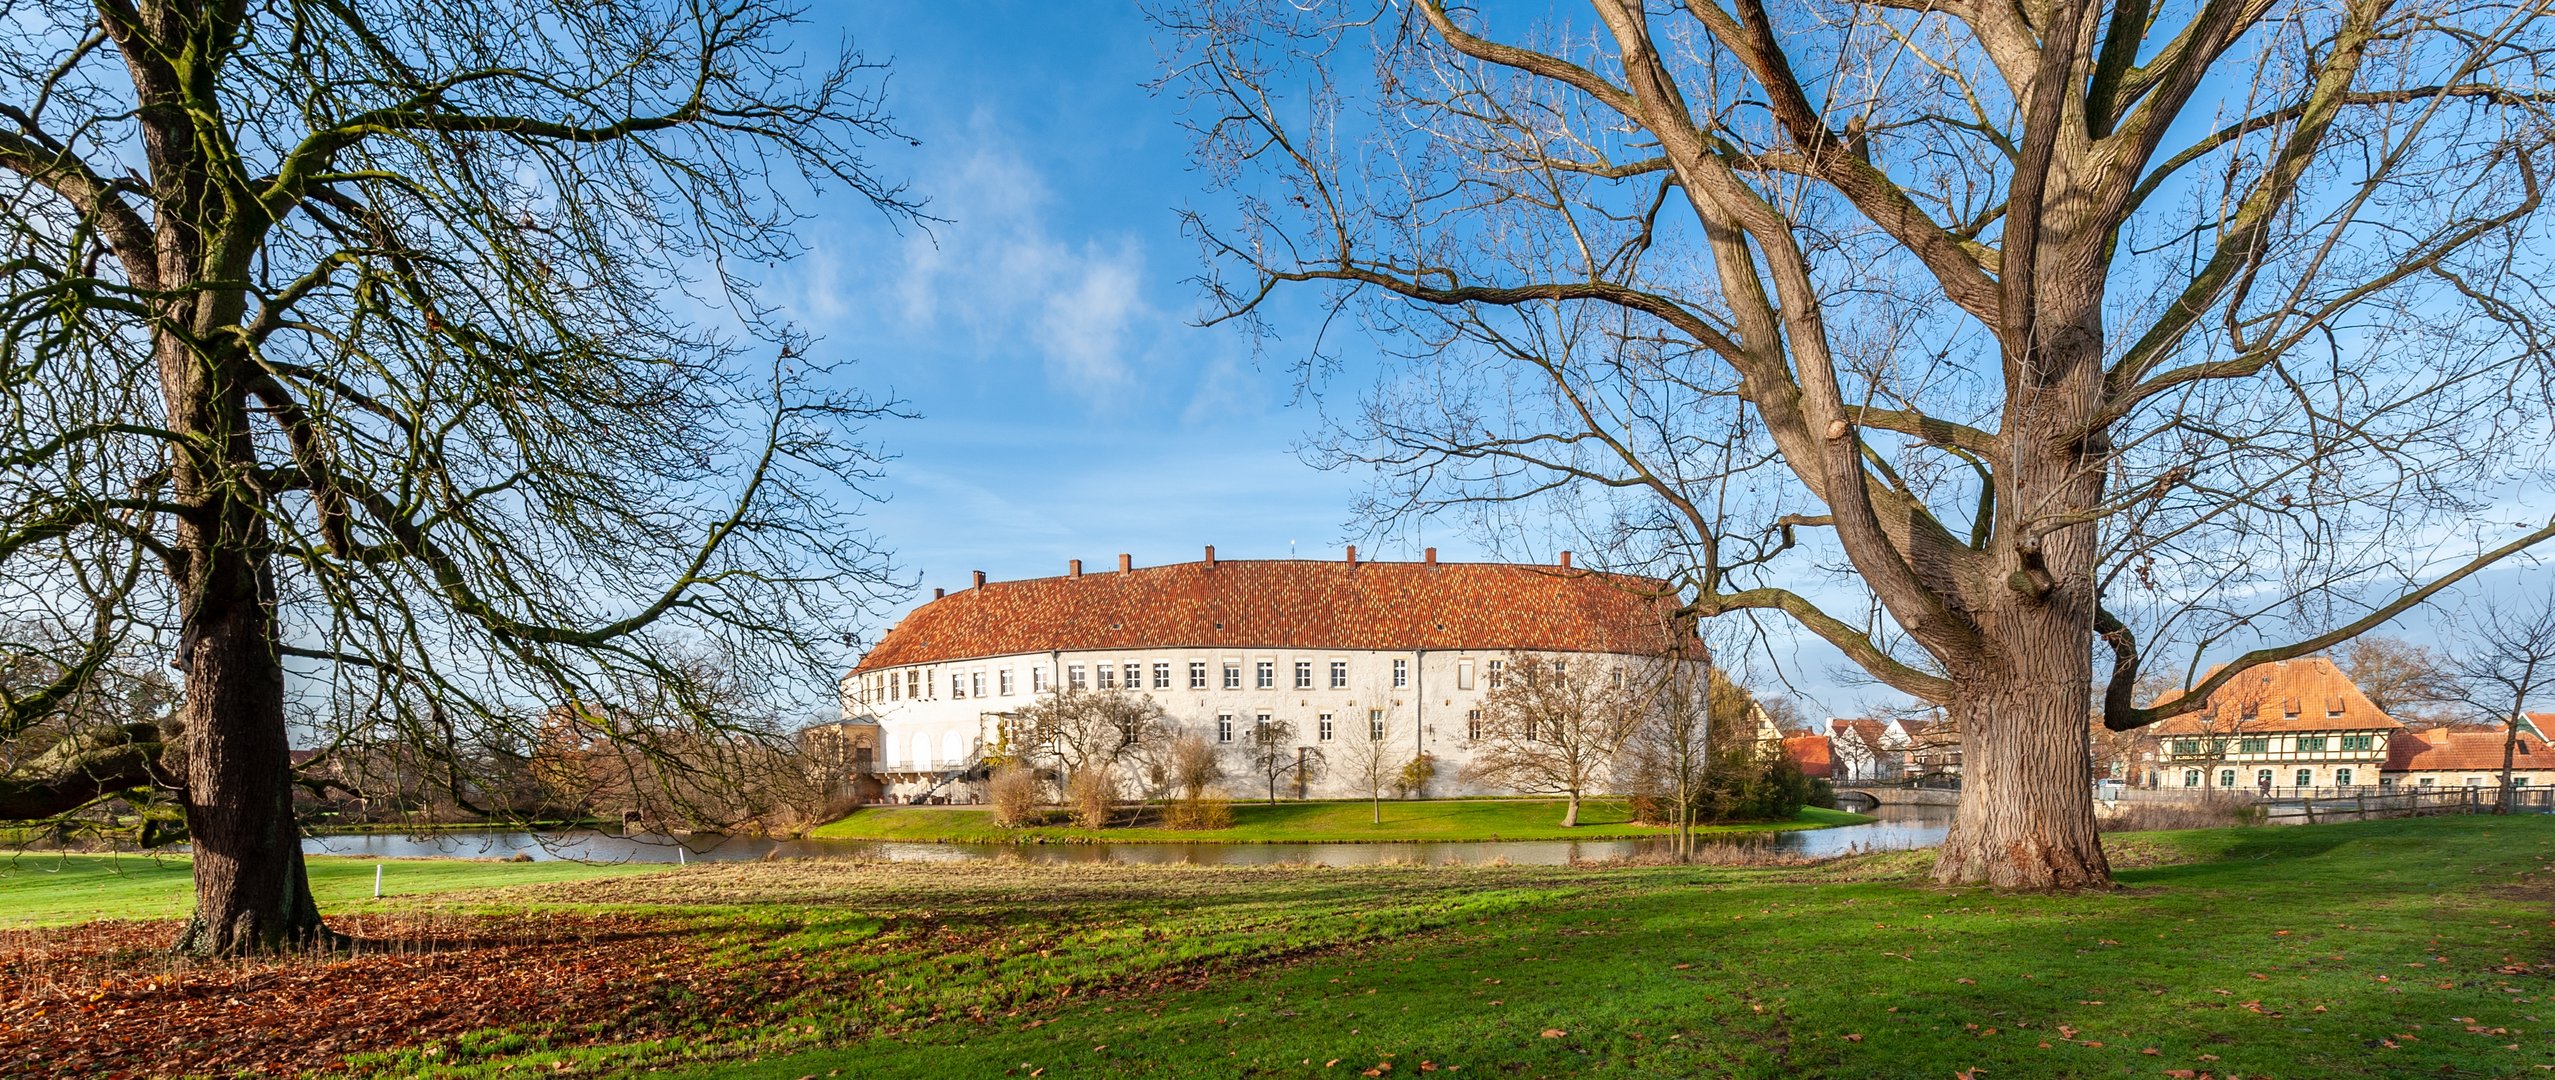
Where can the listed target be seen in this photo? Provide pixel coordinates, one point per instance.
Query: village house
(2297, 725)
(1864, 750)
(2471, 757)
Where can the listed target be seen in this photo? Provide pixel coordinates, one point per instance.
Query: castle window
(1303, 674)
(2359, 742)
(1473, 725)
(1002, 682)
(913, 682)
(1464, 674)
(1322, 727)
(1401, 674)
(1162, 677)
(1264, 675)
(1197, 675)
(2255, 745)
(1037, 680)
(1374, 725)
(1224, 727)
(1073, 677)
(1232, 676)
(2310, 744)
(976, 683)
(1135, 676)
(1339, 674)
(895, 688)
(1495, 667)
(1108, 677)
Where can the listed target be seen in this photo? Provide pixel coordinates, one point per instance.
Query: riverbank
(1310, 822)
(2371, 950)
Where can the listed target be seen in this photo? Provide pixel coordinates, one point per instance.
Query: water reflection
(1900, 827)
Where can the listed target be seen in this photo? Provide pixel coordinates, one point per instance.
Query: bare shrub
(1089, 794)
(2152, 817)
(1198, 815)
(1013, 792)
(1195, 766)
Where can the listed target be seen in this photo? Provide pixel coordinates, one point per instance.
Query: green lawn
(1306, 822)
(2363, 950)
(2377, 949)
(48, 889)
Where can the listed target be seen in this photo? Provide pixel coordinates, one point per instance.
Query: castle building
(1336, 649)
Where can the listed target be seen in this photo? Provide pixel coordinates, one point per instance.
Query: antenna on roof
(1290, 549)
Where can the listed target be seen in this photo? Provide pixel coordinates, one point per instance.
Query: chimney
(938, 593)
(1126, 562)
(1429, 556)
(1073, 568)
(1210, 556)
(1565, 560)
(980, 575)
(1352, 554)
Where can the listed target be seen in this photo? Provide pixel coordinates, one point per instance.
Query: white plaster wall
(1427, 714)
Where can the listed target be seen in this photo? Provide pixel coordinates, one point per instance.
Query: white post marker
(681, 855)
(376, 881)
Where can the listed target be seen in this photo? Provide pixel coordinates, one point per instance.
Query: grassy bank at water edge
(1305, 823)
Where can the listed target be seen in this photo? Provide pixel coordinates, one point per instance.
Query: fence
(2308, 808)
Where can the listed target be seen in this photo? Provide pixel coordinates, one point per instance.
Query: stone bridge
(1873, 796)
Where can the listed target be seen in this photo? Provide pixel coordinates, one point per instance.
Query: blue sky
(1069, 407)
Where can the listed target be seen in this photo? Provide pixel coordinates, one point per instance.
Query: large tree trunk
(2023, 704)
(252, 893)
(1570, 817)
(2026, 815)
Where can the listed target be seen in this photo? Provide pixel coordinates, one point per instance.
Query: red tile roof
(2263, 699)
(1289, 604)
(2465, 750)
(1812, 754)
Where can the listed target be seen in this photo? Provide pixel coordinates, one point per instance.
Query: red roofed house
(2297, 724)
(2471, 757)
(1812, 754)
(1332, 648)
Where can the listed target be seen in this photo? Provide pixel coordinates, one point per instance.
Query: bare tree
(2506, 660)
(2406, 681)
(2063, 325)
(1270, 752)
(409, 358)
(1671, 746)
(1370, 754)
(1082, 730)
(1195, 766)
(1548, 730)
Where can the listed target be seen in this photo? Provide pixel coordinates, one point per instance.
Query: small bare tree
(1271, 753)
(1548, 730)
(1670, 748)
(1079, 730)
(1371, 763)
(2507, 659)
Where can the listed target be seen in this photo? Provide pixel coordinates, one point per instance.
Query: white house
(1404, 648)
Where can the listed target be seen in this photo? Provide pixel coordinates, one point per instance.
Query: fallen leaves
(107, 997)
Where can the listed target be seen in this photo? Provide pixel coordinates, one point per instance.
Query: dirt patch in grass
(110, 999)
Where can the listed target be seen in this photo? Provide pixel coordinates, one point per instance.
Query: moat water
(1899, 828)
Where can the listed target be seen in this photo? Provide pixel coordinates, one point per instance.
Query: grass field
(2375, 949)
(1306, 822)
(49, 889)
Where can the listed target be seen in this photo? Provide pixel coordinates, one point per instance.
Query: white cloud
(1005, 270)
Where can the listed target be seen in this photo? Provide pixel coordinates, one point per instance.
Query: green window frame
(2254, 745)
(2359, 742)
(2309, 744)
